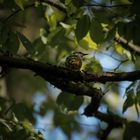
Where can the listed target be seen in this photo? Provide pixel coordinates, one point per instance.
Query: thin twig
(32, 5)
(16, 12)
(120, 64)
(110, 6)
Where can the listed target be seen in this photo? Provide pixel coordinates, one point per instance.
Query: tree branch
(111, 118)
(110, 6)
(128, 46)
(106, 132)
(58, 76)
(63, 79)
(113, 76)
(64, 73)
(125, 44)
(113, 121)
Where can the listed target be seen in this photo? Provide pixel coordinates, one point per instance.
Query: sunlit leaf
(84, 44)
(124, 52)
(53, 16)
(87, 41)
(93, 65)
(119, 48)
(68, 28)
(82, 27)
(20, 3)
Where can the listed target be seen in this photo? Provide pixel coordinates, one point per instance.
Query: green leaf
(82, 27)
(23, 112)
(93, 66)
(96, 32)
(78, 3)
(131, 86)
(20, 3)
(138, 97)
(3, 103)
(129, 100)
(4, 34)
(126, 30)
(26, 43)
(111, 34)
(71, 102)
(84, 44)
(46, 106)
(63, 42)
(39, 47)
(66, 122)
(2, 121)
(12, 45)
(132, 131)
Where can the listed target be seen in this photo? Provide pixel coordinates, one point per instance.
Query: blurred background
(51, 33)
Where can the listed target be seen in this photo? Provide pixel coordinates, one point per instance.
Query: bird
(74, 61)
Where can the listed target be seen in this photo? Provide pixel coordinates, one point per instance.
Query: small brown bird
(74, 61)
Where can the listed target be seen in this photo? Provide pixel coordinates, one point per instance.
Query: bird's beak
(84, 54)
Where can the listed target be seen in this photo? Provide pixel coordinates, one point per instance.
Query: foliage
(15, 121)
(52, 32)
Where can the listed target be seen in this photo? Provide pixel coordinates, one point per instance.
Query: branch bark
(128, 46)
(58, 76)
(64, 73)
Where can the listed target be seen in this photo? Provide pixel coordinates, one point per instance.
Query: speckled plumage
(74, 61)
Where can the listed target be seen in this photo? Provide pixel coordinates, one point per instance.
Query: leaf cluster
(15, 121)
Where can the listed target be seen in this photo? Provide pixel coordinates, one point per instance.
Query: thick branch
(113, 119)
(113, 77)
(61, 72)
(78, 89)
(106, 132)
(58, 76)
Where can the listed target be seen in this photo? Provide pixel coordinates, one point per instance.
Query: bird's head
(80, 54)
